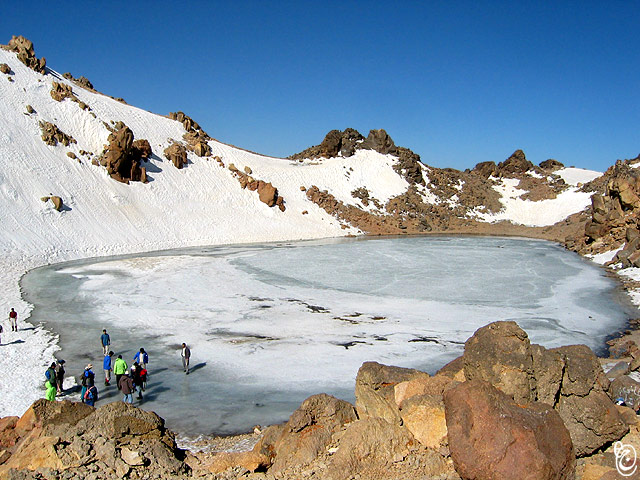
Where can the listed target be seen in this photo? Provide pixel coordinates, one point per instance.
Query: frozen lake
(269, 325)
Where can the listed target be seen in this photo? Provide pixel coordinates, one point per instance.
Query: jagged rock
(131, 457)
(551, 165)
(409, 166)
(486, 169)
(60, 91)
(493, 437)
(335, 143)
(309, 430)
(548, 366)
(26, 53)
(176, 153)
(517, 163)
(30, 110)
(380, 141)
(421, 385)
(500, 353)
(4, 68)
(122, 157)
(619, 369)
(268, 193)
(202, 149)
(583, 404)
(52, 135)
(142, 148)
(424, 416)
(375, 390)
(368, 447)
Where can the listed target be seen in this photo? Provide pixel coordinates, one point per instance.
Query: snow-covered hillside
(200, 204)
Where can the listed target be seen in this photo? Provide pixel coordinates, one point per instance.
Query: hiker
(186, 355)
(106, 341)
(136, 375)
(125, 384)
(143, 377)
(91, 395)
(106, 366)
(13, 317)
(119, 369)
(59, 376)
(50, 375)
(142, 358)
(88, 380)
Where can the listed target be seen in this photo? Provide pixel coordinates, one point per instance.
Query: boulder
(619, 369)
(370, 445)
(57, 202)
(142, 149)
(422, 385)
(202, 149)
(626, 388)
(493, 437)
(26, 54)
(120, 158)
(375, 390)
(268, 193)
(60, 91)
(177, 154)
(309, 430)
(4, 68)
(551, 165)
(380, 141)
(424, 416)
(517, 163)
(548, 366)
(500, 353)
(52, 135)
(486, 169)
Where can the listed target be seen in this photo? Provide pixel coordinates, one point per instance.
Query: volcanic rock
(380, 141)
(492, 437)
(486, 169)
(122, 157)
(309, 430)
(176, 153)
(375, 390)
(500, 353)
(335, 143)
(626, 388)
(26, 53)
(517, 163)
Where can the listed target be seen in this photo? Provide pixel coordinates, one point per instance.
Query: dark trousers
(118, 377)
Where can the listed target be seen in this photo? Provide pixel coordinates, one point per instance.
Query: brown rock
(493, 437)
(30, 110)
(486, 169)
(424, 417)
(248, 460)
(435, 385)
(375, 390)
(551, 165)
(60, 91)
(176, 153)
(454, 369)
(248, 170)
(57, 203)
(268, 193)
(71, 155)
(309, 430)
(368, 447)
(500, 353)
(628, 415)
(142, 148)
(548, 368)
(517, 163)
(202, 149)
(52, 135)
(26, 53)
(380, 141)
(626, 388)
(4, 68)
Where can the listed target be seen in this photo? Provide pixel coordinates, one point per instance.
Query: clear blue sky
(457, 82)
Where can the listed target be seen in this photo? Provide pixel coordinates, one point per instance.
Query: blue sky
(457, 82)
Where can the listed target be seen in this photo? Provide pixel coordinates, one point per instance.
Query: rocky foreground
(505, 409)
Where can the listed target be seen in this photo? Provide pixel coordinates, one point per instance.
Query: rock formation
(52, 135)
(26, 54)
(4, 68)
(267, 193)
(122, 156)
(177, 154)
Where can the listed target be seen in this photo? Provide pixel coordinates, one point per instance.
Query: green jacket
(120, 366)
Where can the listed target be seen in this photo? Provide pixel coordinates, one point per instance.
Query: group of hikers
(129, 380)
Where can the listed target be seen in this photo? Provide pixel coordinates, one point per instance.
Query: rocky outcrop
(141, 148)
(551, 165)
(517, 163)
(4, 68)
(375, 390)
(26, 54)
(81, 82)
(118, 440)
(176, 153)
(122, 158)
(494, 438)
(195, 137)
(52, 135)
(335, 143)
(267, 193)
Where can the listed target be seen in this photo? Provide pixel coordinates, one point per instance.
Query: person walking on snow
(106, 366)
(142, 358)
(88, 380)
(59, 375)
(119, 369)
(50, 375)
(127, 387)
(106, 342)
(186, 355)
(13, 317)
(136, 375)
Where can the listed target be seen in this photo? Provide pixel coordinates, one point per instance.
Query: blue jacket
(145, 358)
(106, 364)
(105, 339)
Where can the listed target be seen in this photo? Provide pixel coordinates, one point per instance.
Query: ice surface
(270, 325)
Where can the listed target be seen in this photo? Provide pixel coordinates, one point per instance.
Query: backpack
(47, 374)
(91, 394)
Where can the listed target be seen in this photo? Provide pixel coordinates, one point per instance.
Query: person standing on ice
(88, 380)
(126, 386)
(186, 355)
(50, 384)
(106, 342)
(106, 366)
(13, 317)
(142, 358)
(59, 375)
(119, 369)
